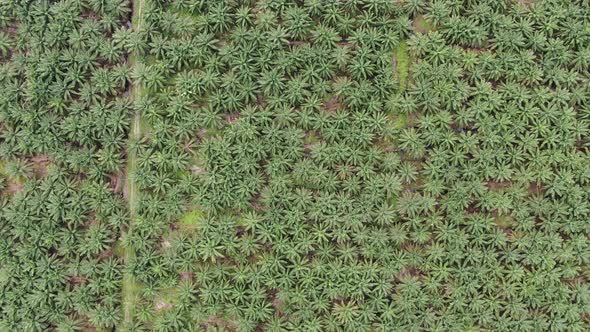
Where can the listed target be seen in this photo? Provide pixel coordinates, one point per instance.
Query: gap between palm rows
(130, 287)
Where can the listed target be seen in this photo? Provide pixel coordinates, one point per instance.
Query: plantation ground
(290, 165)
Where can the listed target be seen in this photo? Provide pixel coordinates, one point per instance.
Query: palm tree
(18, 169)
(325, 36)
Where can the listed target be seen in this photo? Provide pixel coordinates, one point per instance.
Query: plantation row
(355, 165)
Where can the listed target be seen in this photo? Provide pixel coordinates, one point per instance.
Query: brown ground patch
(88, 14)
(232, 117)
(166, 244)
(275, 300)
(505, 224)
(297, 42)
(117, 182)
(125, 190)
(332, 105)
(188, 146)
(162, 305)
(13, 187)
(40, 164)
(413, 119)
(497, 186)
(527, 3)
(408, 272)
(196, 170)
(254, 202)
(186, 275)
(202, 134)
(105, 254)
(421, 25)
(535, 188)
(261, 101)
(77, 280)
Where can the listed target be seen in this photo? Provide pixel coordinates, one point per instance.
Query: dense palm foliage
(329, 195)
(355, 165)
(64, 123)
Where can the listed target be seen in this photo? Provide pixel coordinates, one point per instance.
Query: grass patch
(504, 221)
(402, 61)
(130, 291)
(423, 25)
(399, 121)
(170, 295)
(130, 288)
(191, 220)
(182, 173)
(119, 250)
(213, 132)
(311, 138)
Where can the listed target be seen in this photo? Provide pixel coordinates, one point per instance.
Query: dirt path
(130, 287)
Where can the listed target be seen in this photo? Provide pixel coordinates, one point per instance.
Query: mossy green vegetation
(422, 25)
(191, 220)
(398, 121)
(402, 64)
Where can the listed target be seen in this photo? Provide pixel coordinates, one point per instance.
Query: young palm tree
(18, 169)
